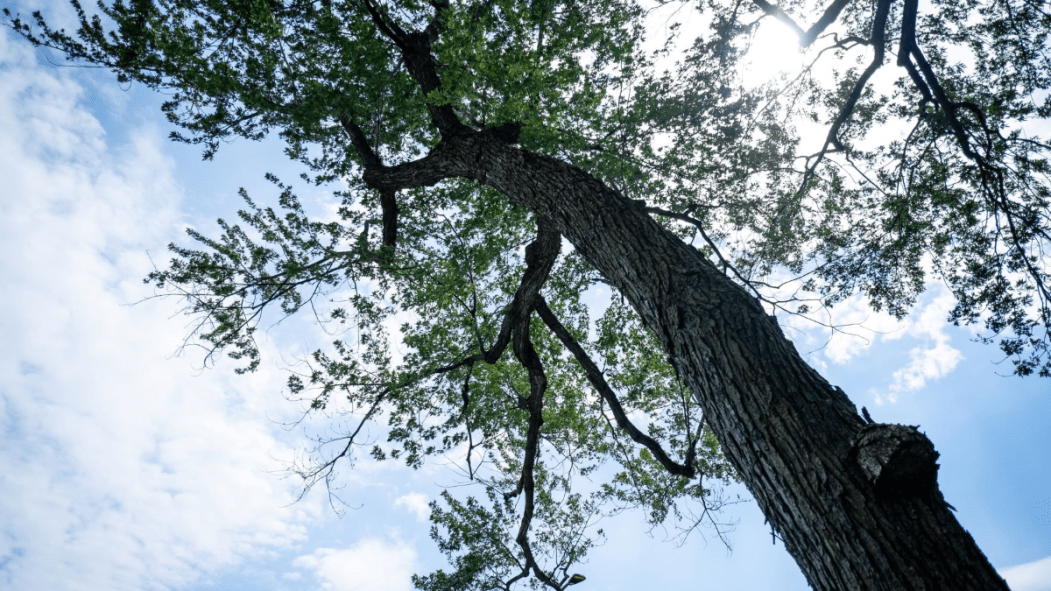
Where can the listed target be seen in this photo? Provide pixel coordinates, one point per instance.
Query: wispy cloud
(120, 469)
(1032, 576)
(368, 565)
(932, 361)
(859, 328)
(416, 503)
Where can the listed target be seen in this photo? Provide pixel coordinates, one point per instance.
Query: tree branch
(598, 382)
(415, 47)
(371, 160)
(540, 256)
(727, 265)
(807, 37)
(360, 143)
(878, 41)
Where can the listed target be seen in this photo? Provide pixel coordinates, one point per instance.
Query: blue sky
(125, 466)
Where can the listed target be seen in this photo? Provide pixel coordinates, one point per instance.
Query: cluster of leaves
(287, 264)
(476, 538)
(456, 270)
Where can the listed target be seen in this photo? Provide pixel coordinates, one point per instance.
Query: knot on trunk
(897, 459)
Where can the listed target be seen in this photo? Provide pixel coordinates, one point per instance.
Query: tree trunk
(857, 505)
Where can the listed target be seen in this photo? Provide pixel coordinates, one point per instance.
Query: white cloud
(860, 328)
(416, 503)
(933, 361)
(120, 469)
(1032, 576)
(368, 565)
(926, 363)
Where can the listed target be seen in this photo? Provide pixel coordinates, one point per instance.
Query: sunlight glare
(775, 50)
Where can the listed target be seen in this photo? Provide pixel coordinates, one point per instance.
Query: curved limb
(598, 382)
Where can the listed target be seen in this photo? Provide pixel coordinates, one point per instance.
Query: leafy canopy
(504, 371)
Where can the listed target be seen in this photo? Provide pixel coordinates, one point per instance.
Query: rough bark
(856, 505)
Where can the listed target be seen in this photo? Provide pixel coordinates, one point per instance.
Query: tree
(465, 131)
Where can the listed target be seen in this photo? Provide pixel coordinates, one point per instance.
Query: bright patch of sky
(126, 467)
(416, 503)
(122, 468)
(774, 51)
(368, 565)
